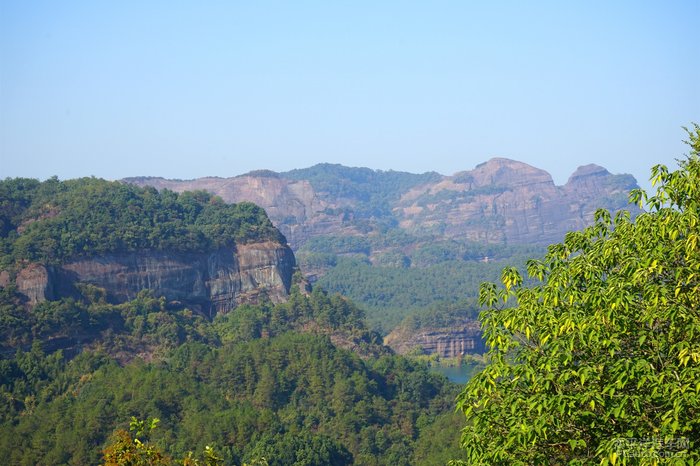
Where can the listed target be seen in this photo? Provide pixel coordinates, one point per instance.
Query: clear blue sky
(190, 89)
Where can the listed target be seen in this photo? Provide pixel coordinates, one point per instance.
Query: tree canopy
(296, 383)
(598, 361)
(54, 220)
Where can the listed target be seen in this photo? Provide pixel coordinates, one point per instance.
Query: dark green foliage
(309, 261)
(338, 244)
(53, 221)
(70, 324)
(16, 196)
(433, 447)
(598, 361)
(266, 381)
(447, 314)
(302, 448)
(410, 273)
(294, 396)
(371, 190)
(389, 294)
(319, 313)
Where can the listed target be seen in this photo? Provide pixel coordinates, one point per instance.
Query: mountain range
(500, 201)
(120, 301)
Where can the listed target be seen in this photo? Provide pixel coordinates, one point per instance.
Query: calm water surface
(457, 374)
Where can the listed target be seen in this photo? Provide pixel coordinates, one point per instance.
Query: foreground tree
(132, 449)
(598, 361)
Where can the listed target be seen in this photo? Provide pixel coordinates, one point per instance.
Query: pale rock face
(293, 206)
(588, 178)
(446, 342)
(500, 200)
(507, 201)
(33, 281)
(4, 278)
(211, 283)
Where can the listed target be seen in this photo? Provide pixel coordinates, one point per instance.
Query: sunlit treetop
(598, 361)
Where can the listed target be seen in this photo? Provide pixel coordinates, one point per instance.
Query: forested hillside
(397, 242)
(300, 380)
(193, 249)
(390, 294)
(54, 220)
(372, 193)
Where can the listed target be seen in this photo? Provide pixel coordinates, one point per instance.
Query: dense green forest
(272, 381)
(301, 382)
(396, 274)
(55, 220)
(390, 294)
(442, 314)
(372, 190)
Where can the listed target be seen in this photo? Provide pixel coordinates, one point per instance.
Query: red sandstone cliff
(500, 200)
(211, 283)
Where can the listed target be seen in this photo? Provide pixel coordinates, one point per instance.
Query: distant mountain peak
(501, 162)
(500, 171)
(595, 179)
(499, 201)
(261, 174)
(589, 170)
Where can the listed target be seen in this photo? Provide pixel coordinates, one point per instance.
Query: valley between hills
(253, 313)
(399, 244)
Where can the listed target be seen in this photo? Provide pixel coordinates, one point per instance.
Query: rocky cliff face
(210, 283)
(447, 342)
(500, 201)
(507, 201)
(295, 208)
(35, 282)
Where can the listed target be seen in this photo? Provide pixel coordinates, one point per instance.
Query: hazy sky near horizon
(190, 89)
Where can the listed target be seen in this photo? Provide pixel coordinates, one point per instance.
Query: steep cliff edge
(210, 283)
(215, 282)
(447, 342)
(499, 201)
(505, 201)
(193, 249)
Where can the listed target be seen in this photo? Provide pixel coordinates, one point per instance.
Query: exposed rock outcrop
(293, 206)
(4, 278)
(35, 282)
(447, 342)
(500, 201)
(507, 201)
(211, 283)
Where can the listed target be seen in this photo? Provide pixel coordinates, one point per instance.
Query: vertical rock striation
(447, 342)
(211, 283)
(499, 201)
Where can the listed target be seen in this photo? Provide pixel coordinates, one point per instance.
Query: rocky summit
(499, 201)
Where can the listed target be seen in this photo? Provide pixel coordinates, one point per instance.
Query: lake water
(457, 374)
